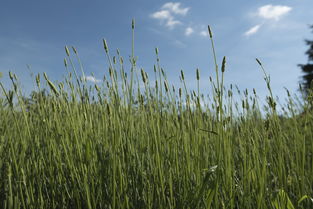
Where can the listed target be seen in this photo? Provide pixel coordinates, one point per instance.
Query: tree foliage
(307, 68)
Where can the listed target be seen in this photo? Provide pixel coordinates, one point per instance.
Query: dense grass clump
(135, 142)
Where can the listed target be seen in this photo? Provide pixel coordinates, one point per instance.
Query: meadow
(136, 141)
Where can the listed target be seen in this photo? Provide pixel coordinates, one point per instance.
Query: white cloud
(189, 31)
(273, 12)
(175, 8)
(162, 15)
(171, 23)
(252, 30)
(167, 14)
(204, 33)
(268, 12)
(92, 79)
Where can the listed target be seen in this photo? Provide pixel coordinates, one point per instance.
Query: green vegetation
(135, 142)
(307, 69)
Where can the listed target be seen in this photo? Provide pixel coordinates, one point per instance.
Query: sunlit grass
(136, 141)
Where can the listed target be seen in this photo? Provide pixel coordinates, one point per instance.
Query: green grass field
(138, 142)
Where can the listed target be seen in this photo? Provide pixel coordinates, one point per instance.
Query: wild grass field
(136, 141)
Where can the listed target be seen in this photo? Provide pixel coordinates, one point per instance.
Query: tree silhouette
(35, 98)
(307, 69)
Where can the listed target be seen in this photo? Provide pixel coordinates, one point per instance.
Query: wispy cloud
(252, 30)
(92, 79)
(175, 8)
(269, 13)
(272, 12)
(171, 23)
(204, 33)
(167, 14)
(161, 15)
(189, 31)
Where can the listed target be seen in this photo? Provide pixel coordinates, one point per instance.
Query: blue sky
(35, 32)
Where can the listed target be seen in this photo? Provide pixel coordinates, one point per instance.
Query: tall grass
(136, 142)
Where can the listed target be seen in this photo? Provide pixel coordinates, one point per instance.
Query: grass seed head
(110, 72)
(182, 75)
(133, 24)
(166, 86)
(61, 86)
(162, 71)
(198, 74)
(230, 93)
(143, 75)
(97, 88)
(38, 80)
(53, 88)
(11, 75)
(146, 75)
(223, 64)
(45, 76)
(65, 62)
(67, 51)
(105, 45)
(10, 97)
(258, 61)
(74, 50)
(210, 32)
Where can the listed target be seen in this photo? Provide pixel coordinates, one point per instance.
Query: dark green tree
(34, 99)
(307, 69)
